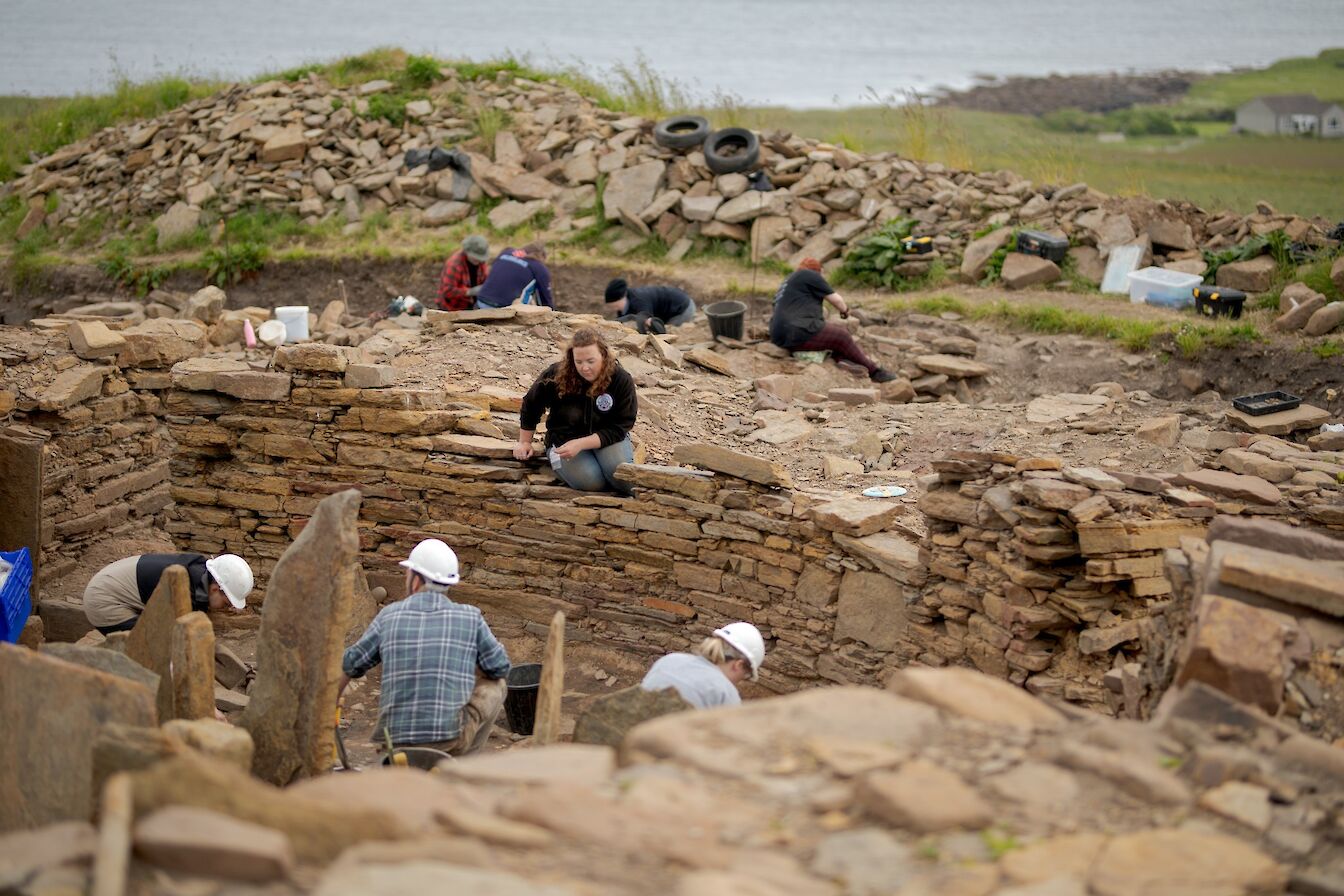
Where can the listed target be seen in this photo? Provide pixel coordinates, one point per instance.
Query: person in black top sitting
(649, 308)
(592, 404)
(799, 325)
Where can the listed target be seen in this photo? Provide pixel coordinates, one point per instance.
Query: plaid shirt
(429, 647)
(459, 275)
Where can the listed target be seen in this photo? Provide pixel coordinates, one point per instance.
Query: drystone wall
(85, 456)
(691, 551)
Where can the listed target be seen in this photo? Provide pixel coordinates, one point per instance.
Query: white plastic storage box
(1159, 286)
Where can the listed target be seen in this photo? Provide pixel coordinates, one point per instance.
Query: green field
(1215, 170)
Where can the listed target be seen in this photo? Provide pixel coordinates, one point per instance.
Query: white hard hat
(746, 639)
(433, 560)
(233, 576)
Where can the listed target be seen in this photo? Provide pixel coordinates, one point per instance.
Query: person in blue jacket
(518, 275)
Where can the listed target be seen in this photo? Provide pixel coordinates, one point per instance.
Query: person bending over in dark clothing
(518, 275)
(592, 407)
(649, 308)
(798, 323)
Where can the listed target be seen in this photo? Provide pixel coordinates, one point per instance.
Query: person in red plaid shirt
(463, 274)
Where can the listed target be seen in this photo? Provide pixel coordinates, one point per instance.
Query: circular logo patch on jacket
(604, 402)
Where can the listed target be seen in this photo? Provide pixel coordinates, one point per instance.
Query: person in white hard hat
(116, 595)
(443, 669)
(709, 675)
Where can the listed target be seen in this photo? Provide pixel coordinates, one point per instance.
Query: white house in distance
(1292, 113)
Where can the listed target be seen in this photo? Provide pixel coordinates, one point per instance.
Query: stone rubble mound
(310, 148)
(946, 781)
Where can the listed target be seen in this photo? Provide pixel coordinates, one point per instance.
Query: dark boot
(656, 325)
(882, 375)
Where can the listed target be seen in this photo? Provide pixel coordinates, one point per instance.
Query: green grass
(1190, 339)
(1327, 349)
(1216, 171)
(1321, 75)
(41, 125)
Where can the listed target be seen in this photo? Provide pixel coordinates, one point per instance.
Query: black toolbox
(1219, 301)
(1035, 242)
(917, 245)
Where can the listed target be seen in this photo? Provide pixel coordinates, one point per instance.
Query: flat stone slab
(1282, 423)
(1232, 485)
(733, 463)
(1066, 406)
(953, 366)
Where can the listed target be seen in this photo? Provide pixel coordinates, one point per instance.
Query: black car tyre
(731, 150)
(681, 131)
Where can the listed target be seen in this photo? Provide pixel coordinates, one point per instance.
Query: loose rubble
(314, 149)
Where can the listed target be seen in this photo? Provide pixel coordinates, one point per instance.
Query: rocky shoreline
(1090, 93)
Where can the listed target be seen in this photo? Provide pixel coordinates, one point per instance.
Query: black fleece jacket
(610, 415)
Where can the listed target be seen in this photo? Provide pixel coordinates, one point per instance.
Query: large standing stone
(610, 716)
(308, 602)
(871, 609)
(546, 730)
(632, 189)
(193, 665)
(51, 711)
(151, 641)
(1238, 649)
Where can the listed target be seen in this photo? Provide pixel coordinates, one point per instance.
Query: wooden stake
(552, 688)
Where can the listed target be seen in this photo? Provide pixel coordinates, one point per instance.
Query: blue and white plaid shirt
(429, 647)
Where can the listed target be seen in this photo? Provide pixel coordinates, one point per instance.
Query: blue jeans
(593, 471)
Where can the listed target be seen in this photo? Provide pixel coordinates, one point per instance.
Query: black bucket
(726, 319)
(520, 704)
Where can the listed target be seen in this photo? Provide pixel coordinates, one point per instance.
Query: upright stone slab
(610, 716)
(291, 714)
(193, 657)
(151, 641)
(50, 713)
(552, 687)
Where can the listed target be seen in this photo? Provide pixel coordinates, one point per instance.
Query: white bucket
(295, 319)
(271, 333)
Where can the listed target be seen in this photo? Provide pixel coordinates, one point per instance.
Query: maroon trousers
(836, 339)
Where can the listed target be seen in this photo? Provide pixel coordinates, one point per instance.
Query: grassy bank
(1188, 340)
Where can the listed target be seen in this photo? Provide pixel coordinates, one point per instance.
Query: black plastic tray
(1266, 403)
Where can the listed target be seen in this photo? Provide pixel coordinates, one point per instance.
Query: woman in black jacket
(592, 404)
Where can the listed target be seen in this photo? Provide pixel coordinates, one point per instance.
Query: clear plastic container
(1159, 286)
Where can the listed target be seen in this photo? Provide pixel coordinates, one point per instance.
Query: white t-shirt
(696, 679)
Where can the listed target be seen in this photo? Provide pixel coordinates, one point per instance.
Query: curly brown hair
(567, 378)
